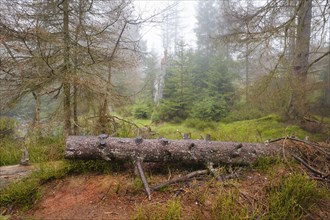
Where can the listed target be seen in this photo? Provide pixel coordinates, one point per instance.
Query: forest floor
(121, 196)
(272, 189)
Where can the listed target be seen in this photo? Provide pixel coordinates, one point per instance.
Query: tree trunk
(103, 115)
(300, 65)
(247, 54)
(163, 150)
(75, 109)
(66, 71)
(36, 119)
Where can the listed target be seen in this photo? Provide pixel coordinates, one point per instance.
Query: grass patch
(265, 164)
(24, 193)
(170, 211)
(226, 206)
(7, 127)
(293, 198)
(256, 130)
(50, 148)
(21, 194)
(91, 166)
(10, 152)
(200, 124)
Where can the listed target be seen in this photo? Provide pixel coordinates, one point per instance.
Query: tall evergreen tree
(211, 73)
(178, 88)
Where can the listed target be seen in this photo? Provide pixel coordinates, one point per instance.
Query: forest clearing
(173, 109)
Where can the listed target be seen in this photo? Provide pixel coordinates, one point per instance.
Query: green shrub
(210, 109)
(141, 111)
(155, 117)
(171, 112)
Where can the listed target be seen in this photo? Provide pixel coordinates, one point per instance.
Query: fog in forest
(77, 64)
(169, 109)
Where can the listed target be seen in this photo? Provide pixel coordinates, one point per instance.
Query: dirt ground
(86, 197)
(118, 197)
(121, 195)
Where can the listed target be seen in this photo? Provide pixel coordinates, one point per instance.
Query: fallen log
(172, 151)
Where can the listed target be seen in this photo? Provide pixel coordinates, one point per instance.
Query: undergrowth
(289, 197)
(226, 206)
(170, 211)
(265, 164)
(49, 148)
(255, 130)
(293, 198)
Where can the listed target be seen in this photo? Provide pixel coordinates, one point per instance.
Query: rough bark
(37, 107)
(300, 61)
(163, 150)
(66, 70)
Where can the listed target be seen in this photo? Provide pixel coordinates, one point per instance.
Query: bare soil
(120, 196)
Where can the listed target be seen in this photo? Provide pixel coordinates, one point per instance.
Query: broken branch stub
(163, 150)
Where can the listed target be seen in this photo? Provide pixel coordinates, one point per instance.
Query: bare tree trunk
(75, 110)
(247, 53)
(104, 105)
(37, 107)
(300, 62)
(66, 84)
(75, 61)
(163, 150)
(103, 115)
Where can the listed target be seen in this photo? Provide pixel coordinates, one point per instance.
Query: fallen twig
(143, 177)
(309, 167)
(180, 179)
